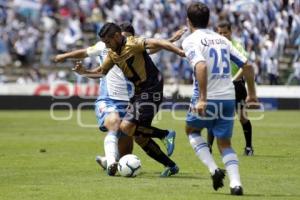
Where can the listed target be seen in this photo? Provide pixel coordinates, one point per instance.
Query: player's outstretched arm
(163, 44)
(93, 74)
(79, 54)
(176, 36)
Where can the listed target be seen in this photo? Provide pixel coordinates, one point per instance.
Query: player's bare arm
(248, 72)
(176, 36)
(163, 44)
(201, 76)
(93, 74)
(81, 53)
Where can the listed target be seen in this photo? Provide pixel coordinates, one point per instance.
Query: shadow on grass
(187, 176)
(268, 156)
(261, 195)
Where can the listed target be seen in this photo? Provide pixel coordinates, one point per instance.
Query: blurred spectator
(5, 57)
(272, 69)
(31, 31)
(296, 73)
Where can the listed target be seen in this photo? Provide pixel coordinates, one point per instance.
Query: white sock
(111, 147)
(202, 151)
(231, 162)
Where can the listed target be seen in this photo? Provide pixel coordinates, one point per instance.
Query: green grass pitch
(41, 158)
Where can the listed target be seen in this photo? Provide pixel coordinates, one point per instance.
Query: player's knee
(128, 128)
(189, 130)
(243, 120)
(112, 122)
(223, 144)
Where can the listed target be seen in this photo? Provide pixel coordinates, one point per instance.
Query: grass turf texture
(41, 158)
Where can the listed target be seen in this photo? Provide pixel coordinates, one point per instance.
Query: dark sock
(151, 131)
(154, 151)
(210, 139)
(247, 127)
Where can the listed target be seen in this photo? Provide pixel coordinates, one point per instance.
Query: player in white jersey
(213, 102)
(111, 105)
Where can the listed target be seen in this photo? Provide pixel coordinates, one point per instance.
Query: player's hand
(181, 53)
(79, 69)
(252, 102)
(201, 107)
(177, 35)
(58, 58)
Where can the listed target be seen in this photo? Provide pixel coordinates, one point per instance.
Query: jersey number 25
(225, 68)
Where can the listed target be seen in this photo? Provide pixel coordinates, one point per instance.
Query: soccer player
(224, 28)
(111, 105)
(130, 55)
(213, 101)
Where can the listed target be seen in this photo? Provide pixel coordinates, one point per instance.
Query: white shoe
(102, 162)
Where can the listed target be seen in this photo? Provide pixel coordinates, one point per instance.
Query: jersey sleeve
(236, 56)
(241, 49)
(192, 53)
(107, 64)
(96, 49)
(139, 44)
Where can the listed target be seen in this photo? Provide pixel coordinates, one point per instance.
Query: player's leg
(125, 146)
(148, 110)
(166, 136)
(140, 114)
(247, 128)
(194, 124)
(108, 117)
(223, 131)
(230, 160)
(241, 94)
(210, 139)
(139, 117)
(201, 150)
(111, 140)
(152, 149)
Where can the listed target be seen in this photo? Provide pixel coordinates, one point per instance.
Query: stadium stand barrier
(42, 96)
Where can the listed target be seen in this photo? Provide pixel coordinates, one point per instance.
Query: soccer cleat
(169, 171)
(248, 151)
(237, 190)
(112, 169)
(217, 178)
(102, 162)
(169, 142)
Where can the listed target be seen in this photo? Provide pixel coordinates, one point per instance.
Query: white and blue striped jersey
(216, 51)
(114, 85)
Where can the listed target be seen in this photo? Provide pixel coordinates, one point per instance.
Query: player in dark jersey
(130, 55)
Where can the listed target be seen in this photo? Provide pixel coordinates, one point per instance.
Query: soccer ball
(129, 165)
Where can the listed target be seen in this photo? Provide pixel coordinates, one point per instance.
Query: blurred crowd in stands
(32, 31)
